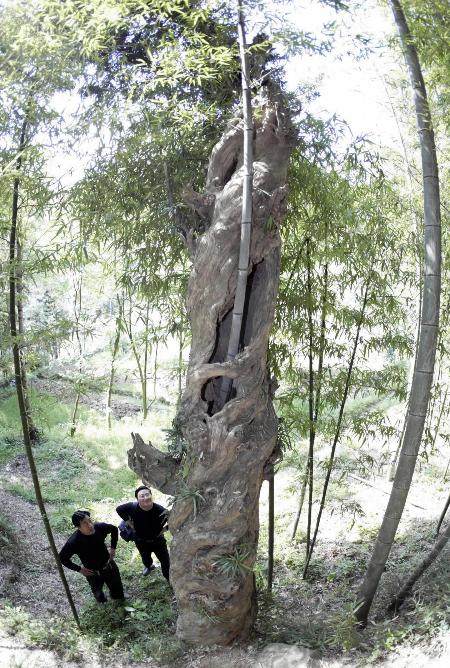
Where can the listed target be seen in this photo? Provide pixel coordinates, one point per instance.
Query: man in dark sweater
(88, 543)
(148, 520)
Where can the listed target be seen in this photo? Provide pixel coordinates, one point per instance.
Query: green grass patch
(89, 470)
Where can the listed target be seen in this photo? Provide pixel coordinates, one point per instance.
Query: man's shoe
(147, 571)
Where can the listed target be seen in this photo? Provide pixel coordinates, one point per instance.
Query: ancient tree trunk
(406, 590)
(424, 363)
(227, 449)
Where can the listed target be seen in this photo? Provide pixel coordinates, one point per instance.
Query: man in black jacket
(88, 543)
(148, 520)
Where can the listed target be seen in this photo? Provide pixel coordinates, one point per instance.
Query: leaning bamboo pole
(442, 516)
(18, 369)
(426, 351)
(406, 589)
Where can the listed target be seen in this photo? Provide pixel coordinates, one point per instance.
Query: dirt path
(33, 579)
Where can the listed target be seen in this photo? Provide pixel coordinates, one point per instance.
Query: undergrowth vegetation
(90, 471)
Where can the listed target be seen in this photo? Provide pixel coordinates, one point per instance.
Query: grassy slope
(90, 471)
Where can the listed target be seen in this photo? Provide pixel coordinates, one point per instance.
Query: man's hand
(86, 571)
(112, 552)
(130, 524)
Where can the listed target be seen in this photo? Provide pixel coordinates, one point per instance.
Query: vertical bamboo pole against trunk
(180, 364)
(425, 358)
(155, 369)
(246, 218)
(146, 355)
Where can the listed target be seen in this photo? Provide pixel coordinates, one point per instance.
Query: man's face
(87, 526)
(145, 500)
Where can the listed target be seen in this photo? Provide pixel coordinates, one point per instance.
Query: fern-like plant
(235, 564)
(194, 494)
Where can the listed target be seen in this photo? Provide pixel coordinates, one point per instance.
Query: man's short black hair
(79, 516)
(139, 489)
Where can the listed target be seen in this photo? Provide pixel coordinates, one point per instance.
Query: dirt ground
(36, 582)
(32, 577)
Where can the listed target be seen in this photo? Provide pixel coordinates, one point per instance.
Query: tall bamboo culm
(338, 427)
(18, 373)
(246, 219)
(271, 529)
(426, 352)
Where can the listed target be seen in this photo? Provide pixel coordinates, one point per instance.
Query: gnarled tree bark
(227, 448)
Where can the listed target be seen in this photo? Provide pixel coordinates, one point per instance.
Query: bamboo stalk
(19, 379)
(425, 359)
(226, 384)
(34, 432)
(271, 529)
(310, 397)
(406, 589)
(338, 426)
(77, 312)
(442, 517)
(73, 423)
(129, 330)
(318, 387)
(113, 369)
(439, 420)
(302, 500)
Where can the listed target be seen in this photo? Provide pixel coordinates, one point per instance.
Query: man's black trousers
(110, 576)
(159, 548)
